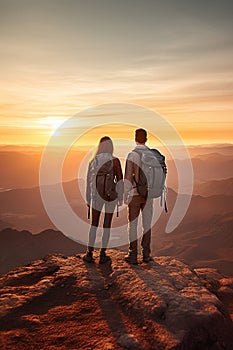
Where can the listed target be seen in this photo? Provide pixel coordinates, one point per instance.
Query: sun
(51, 123)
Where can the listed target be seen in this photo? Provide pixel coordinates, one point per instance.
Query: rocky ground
(63, 303)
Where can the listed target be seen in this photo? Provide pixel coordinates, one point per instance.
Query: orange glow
(190, 135)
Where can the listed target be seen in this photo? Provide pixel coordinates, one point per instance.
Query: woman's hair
(105, 145)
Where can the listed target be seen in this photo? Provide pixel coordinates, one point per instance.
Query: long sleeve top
(132, 166)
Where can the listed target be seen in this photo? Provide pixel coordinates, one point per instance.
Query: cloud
(173, 56)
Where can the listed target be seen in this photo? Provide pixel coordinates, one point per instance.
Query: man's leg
(133, 212)
(147, 212)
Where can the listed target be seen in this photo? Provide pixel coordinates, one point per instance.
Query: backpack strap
(137, 151)
(163, 199)
(164, 193)
(114, 160)
(115, 165)
(140, 155)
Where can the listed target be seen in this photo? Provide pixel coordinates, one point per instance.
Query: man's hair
(140, 135)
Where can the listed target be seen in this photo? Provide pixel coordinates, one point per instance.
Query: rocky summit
(62, 302)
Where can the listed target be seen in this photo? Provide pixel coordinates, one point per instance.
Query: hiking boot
(88, 257)
(131, 259)
(147, 259)
(104, 258)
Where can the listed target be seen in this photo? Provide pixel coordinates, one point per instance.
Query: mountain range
(204, 237)
(21, 168)
(215, 187)
(18, 248)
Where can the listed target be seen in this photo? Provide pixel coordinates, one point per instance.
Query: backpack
(103, 178)
(152, 174)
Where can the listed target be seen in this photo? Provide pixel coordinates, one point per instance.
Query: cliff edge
(61, 302)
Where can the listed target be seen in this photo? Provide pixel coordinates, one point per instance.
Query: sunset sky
(59, 57)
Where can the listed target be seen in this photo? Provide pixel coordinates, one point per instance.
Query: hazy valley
(204, 238)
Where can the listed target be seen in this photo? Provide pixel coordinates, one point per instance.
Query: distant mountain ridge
(215, 187)
(21, 168)
(18, 248)
(209, 243)
(204, 237)
(23, 208)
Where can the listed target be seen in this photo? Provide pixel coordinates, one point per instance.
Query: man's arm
(131, 172)
(88, 185)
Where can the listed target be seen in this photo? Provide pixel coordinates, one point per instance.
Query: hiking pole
(88, 212)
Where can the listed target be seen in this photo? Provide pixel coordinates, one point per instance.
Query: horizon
(91, 145)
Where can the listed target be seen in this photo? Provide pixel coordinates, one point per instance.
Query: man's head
(140, 136)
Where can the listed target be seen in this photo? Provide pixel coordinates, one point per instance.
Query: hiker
(104, 191)
(145, 173)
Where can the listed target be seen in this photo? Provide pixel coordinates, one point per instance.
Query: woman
(104, 190)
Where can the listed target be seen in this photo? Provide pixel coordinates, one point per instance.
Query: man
(136, 202)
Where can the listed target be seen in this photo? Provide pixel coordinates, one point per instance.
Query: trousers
(96, 210)
(145, 206)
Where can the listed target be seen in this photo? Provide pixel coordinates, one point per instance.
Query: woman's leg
(95, 217)
(109, 210)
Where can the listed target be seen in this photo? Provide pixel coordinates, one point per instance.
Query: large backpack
(152, 174)
(103, 178)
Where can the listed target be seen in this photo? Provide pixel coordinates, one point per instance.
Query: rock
(163, 305)
(128, 341)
